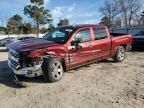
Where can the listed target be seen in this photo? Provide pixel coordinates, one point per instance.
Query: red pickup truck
(65, 48)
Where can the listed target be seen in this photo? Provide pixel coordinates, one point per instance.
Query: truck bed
(121, 39)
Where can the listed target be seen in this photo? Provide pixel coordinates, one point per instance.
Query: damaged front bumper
(26, 71)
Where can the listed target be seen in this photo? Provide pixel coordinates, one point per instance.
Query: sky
(77, 11)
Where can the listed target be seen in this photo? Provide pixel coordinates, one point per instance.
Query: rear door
(82, 55)
(101, 43)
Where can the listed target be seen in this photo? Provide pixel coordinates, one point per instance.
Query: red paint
(92, 51)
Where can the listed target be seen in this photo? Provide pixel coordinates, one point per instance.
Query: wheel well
(124, 45)
(63, 63)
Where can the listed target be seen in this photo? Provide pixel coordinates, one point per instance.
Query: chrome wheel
(52, 69)
(121, 54)
(57, 70)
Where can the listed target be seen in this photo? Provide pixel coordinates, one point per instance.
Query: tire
(52, 70)
(120, 54)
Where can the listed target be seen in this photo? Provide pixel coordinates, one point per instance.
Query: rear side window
(100, 33)
(84, 35)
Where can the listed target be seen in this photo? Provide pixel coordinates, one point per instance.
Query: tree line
(122, 13)
(116, 13)
(39, 17)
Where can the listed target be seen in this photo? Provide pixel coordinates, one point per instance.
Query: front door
(80, 56)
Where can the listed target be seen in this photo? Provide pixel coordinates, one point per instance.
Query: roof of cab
(81, 25)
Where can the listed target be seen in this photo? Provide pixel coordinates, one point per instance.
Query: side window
(100, 33)
(84, 35)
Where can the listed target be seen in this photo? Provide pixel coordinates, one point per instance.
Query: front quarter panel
(57, 51)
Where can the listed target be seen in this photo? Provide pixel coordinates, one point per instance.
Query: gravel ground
(99, 85)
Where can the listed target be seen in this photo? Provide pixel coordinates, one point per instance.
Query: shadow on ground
(6, 77)
(140, 49)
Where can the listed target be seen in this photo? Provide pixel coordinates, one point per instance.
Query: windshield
(59, 35)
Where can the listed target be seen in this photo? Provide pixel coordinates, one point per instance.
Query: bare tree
(137, 19)
(130, 9)
(128, 12)
(110, 10)
(141, 20)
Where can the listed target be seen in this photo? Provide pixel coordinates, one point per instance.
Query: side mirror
(76, 43)
(73, 43)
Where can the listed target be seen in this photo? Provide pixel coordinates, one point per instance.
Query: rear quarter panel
(125, 41)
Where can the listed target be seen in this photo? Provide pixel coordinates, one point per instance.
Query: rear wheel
(120, 54)
(52, 70)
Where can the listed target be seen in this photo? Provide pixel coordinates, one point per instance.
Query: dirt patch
(99, 85)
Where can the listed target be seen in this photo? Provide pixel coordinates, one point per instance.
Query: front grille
(14, 53)
(14, 59)
(15, 63)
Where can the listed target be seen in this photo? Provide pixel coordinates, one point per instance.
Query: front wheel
(120, 54)
(52, 70)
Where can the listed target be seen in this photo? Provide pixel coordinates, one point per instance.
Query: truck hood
(30, 44)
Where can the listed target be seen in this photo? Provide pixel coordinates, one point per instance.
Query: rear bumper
(27, 71)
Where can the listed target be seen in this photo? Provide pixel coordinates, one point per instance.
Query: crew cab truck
(65, 48)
